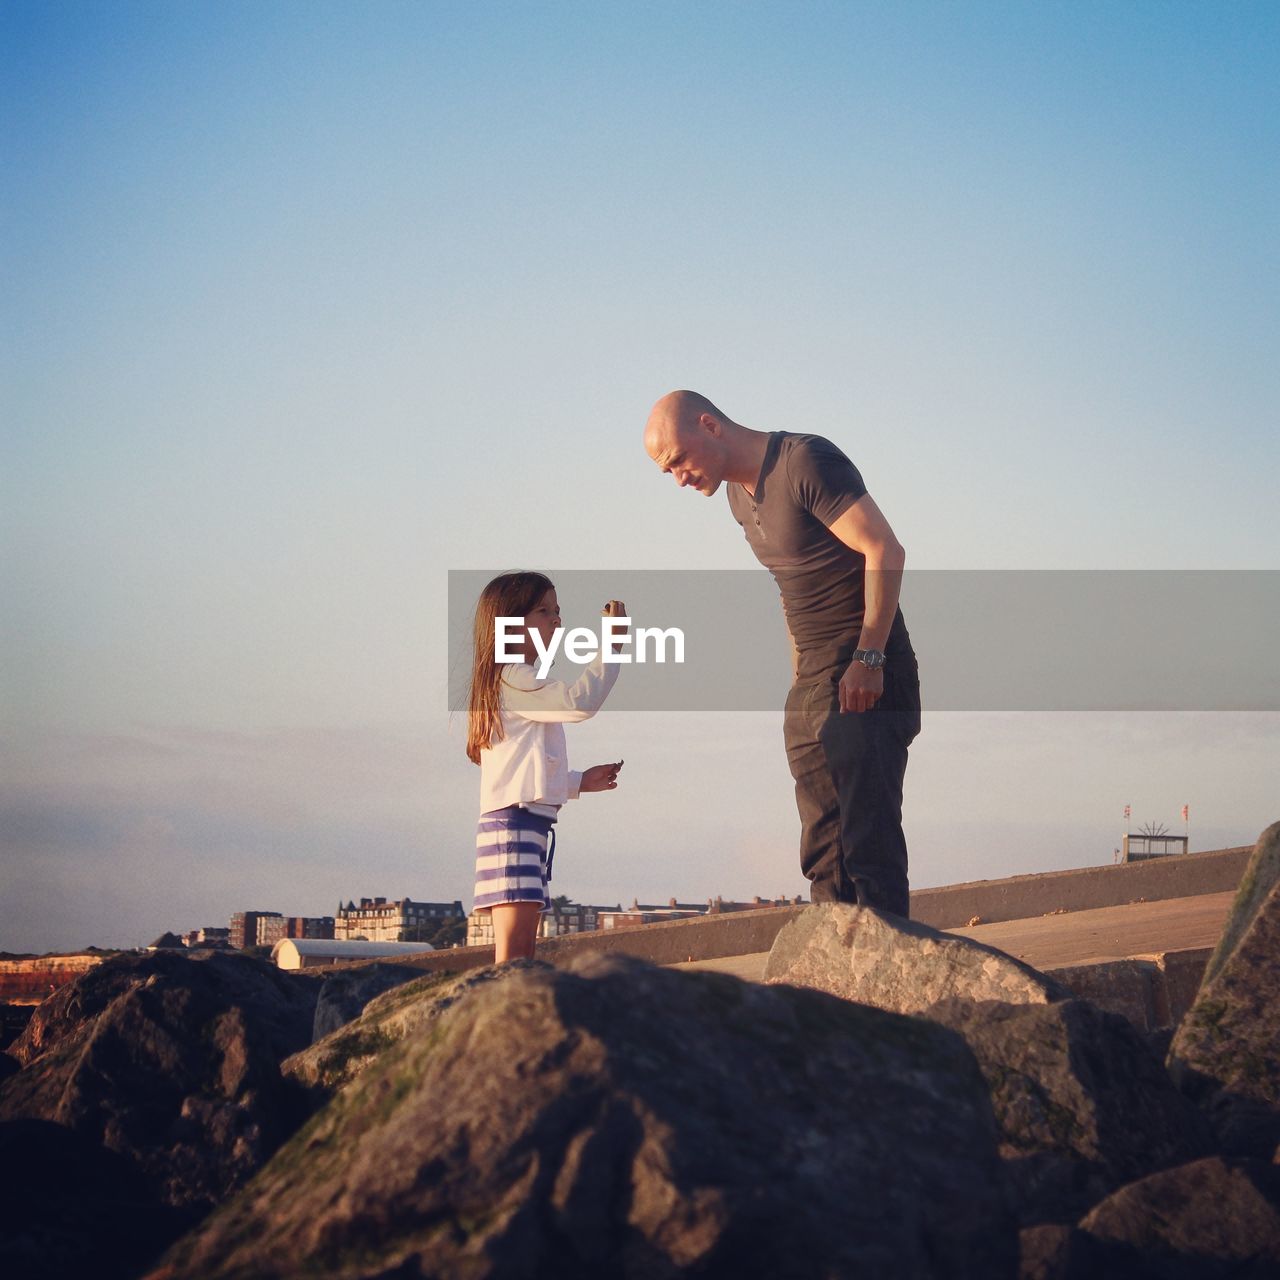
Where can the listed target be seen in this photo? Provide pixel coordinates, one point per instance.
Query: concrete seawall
(1186, 875)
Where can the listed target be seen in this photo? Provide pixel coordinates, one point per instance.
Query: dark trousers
(848, 770)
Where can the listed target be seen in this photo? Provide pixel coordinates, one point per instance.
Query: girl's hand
(600, 777)
(615, 609)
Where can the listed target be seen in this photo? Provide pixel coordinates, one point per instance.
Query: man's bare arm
(864, 528)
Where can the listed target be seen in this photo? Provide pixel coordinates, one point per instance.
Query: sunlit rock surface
(617, 1119)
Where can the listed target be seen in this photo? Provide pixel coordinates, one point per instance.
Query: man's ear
(709, 423)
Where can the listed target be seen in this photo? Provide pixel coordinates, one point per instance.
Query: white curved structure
(307, 953)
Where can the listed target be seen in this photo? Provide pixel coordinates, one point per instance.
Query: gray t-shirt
(805, 483)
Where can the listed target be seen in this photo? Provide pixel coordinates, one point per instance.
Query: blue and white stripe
(512, 858)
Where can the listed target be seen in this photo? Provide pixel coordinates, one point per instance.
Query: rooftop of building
(339, 947)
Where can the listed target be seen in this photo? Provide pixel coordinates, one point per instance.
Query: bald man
(854, 705)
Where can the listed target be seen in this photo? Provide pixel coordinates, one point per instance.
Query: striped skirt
(514, 849)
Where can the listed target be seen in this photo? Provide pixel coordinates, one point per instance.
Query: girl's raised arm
(553, 700)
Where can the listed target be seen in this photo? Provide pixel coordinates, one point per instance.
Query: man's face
(694, 458)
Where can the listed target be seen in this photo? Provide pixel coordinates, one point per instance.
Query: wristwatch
(872, 659)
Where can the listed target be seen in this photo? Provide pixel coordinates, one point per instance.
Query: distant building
(256, 928)
(718, 906)
(209, 934)
(377, 920)
(309, 953)
(244, 929)
(480, 929)
(308, 927)
(1143, 847)
(651, 913)
(270, 928)
(569, 917)
(168, 942)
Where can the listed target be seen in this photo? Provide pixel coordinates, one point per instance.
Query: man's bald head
(675, 417)
(690, 439)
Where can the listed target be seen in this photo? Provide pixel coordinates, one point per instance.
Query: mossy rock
(1225, 1054)
(617, 1118)
(387, 1019)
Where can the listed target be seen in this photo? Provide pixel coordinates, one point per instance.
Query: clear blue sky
(304, 305)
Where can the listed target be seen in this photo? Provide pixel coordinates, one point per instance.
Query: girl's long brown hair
(510, 595)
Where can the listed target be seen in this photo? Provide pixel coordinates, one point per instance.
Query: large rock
(618, 1119)
(876, 958)
(1081, 1103)
(1211, 1218)
(1127, 987)
(1260, 877)
(385, 1020)
(344, 994)
(1226, 1051)
(73, 1208)
(171, 1062)
(13, 1021)
(1054, 1251)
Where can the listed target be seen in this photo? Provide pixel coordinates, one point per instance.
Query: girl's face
(543, 618)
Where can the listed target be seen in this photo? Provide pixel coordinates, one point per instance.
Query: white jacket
(530, 765)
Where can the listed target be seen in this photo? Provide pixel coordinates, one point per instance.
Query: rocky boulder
(344, 994)
(73, 1208)
(1226, 1051)
(1208, 1219)
(1056, 1251)
(618, 1119)
(1082, 1105)
(880, 959)
(171, 1062)
(386, 1019)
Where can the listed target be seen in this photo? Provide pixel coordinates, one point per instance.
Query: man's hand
(860, 688)
(600, 777)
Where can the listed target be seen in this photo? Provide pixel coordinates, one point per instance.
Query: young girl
(516, 736)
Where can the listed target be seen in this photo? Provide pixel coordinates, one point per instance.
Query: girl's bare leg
(515, 930)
